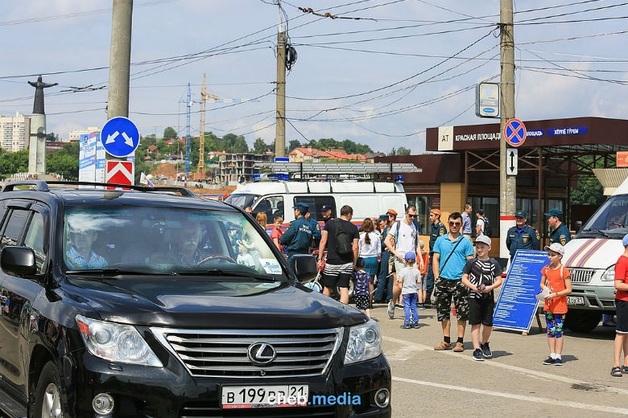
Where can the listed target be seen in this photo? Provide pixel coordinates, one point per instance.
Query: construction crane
(201, 149)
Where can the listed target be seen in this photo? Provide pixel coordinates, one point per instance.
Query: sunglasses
(412, 216)
(455, 223)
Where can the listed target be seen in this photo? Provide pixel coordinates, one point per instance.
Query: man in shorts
(338, 267)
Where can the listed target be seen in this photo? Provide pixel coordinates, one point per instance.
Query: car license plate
(276, 396)
(575, 300)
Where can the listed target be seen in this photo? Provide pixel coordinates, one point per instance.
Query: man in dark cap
(559, 231)
(326, 212)
(522, 236)
(298, 237)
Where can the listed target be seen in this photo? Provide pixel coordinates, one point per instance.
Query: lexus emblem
(261, 353)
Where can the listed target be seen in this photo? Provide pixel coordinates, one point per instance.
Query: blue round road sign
(515, 132)
(120, 136)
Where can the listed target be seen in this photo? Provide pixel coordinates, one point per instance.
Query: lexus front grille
(227, 353)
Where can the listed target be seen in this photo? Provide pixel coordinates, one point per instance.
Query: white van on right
(591, 256)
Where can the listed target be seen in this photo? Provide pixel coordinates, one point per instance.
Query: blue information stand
(517, 303)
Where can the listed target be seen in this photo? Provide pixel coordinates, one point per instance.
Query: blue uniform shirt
(526, 238)
(560, 235)
(297, 237)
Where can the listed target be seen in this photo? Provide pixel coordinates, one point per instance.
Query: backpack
(344, 243)
(488, 231)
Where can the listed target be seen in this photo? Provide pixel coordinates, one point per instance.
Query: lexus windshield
(166, 240)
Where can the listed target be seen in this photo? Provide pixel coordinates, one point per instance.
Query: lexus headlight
(609, 274)
(116, 342)
(364, 342)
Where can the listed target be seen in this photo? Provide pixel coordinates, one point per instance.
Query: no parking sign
(515, 132)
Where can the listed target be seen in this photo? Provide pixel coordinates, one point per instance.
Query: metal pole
(120, 59)
(188, 138)
(507, 184)
(280, 128)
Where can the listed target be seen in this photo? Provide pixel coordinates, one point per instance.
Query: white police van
(591, 256)
(277, 198)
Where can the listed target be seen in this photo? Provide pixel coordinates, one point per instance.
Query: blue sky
(379, 72)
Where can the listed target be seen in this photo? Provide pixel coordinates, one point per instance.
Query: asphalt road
(514, 383)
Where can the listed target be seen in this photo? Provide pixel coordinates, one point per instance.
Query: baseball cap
(483, 239)
(554, 212)
(410, 256)
(556, 247)
(303, 207)
(436, 211)
(625, 240)
(521, 214)
(325, 208)
(382, 218)
(392, 212)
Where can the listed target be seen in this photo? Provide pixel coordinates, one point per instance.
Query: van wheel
(47, 402)
(582, 321)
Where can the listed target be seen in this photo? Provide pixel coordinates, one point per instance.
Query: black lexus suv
(152, 302)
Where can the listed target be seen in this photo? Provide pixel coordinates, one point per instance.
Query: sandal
(616, 372)
(624, 369)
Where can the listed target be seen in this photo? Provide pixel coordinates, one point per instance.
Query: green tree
(293, 145)
(353, 148)
(403, 151)
(13, 162)
(170, 133)
(588, 191)
(65, 161)
(52, 137)
(259, 146)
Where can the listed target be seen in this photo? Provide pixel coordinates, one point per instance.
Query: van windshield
(610, 220)
(157, 240)
(242, 200)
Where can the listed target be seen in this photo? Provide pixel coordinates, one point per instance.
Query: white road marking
(391, 355)
(535, 399)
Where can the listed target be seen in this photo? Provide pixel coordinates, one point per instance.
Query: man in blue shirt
(559, 231)
(451, 252)
(522, 236)
(467, 228)
(298, 237)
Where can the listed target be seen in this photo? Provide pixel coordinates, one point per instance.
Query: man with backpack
(340, 238)
(402, 238)
(482, 226)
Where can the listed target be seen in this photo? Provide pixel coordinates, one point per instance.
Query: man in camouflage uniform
(560, 233)
(522, 236)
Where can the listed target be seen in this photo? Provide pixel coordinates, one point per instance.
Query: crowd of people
(454, 274)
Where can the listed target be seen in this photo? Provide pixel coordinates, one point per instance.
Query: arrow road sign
(512, 161)
(120, 137)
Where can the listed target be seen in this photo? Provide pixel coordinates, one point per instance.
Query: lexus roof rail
(43, 186)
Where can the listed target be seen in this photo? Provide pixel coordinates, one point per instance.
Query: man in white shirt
(402, 238)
